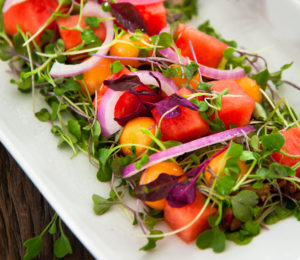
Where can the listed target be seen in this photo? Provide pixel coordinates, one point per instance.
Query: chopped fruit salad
(178, 118)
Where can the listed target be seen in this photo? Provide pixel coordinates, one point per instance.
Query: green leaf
(243, 203)
(225, 184)
(279, 171)
(247, 156)
(254, 143)
(202, 105)
(286, 66)
(151, 221)
(101, 205)
(190, 70)
(119, 163)
(234, 150)
(24, 84)
(278, 214)
(116, 66)
(5, 50)
(74, 128)
(43, 115)
(46, 36)
(62, 247)
(275, 171)
(103, 155)
(231, 60)
(239, 238)
(52, 229)
(258, 185)
(165, 40)
(96, 131)
(272, 143)
(92, 21)
(252, 227)
(172, 72)
(152, 240)
(259, 112)
(105, 171)
(69, 85)
(215, 125)
(184, 9)
(33, 247)
(204, 86)
(18, 44)
(213, 238)
(54, 106)
(89, 36)
(262, 77)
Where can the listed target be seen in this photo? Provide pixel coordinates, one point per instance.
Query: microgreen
(243, 203)
(213, 238)
(190, 70)
(88, 36)
(152, 240)
(94, 21)
(181, 10)
(278, 214)
(275, 171)
(116, 67)
(62, 246)
(101, 205)
(162, 41)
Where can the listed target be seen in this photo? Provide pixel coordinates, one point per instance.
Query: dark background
(24, 213)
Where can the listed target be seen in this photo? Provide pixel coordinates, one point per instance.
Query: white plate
(68, 184)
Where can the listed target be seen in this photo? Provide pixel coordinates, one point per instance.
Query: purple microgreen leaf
(171, 102)
(157, 189)
(128, 16)
(182, 194)
(123, 83)
(165, 106)
(183, 102)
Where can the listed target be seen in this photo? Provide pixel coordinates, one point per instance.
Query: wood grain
(24, 213)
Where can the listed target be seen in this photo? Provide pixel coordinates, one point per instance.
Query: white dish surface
(68, 184)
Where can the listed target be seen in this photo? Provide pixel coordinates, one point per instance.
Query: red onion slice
(168, 86)
(106, 112)
(68, 70)
(140, 2)
(9, 3)
(188, 147)
(212, 73)
(172, 55)
(207, 72)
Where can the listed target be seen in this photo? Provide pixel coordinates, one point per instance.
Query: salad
(178, 118)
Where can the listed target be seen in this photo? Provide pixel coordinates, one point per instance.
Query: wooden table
(24, 213)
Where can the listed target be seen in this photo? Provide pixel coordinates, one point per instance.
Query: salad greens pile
(267, 193)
